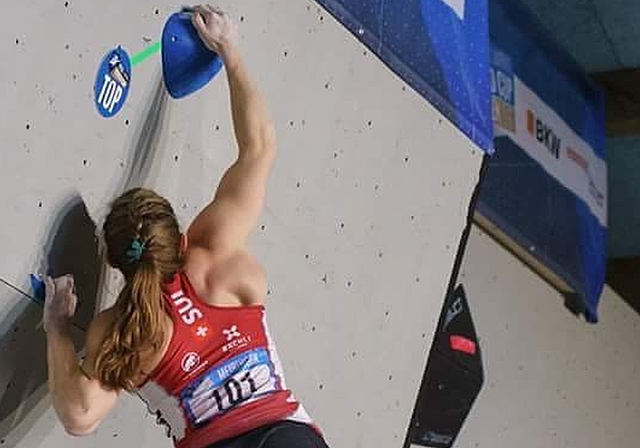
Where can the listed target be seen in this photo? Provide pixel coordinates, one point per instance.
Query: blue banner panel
(439, 47)
(546, 186)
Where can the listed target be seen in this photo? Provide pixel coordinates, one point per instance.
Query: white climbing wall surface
(365, 209)
(552, 380)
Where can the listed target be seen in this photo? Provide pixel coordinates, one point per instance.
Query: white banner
(546, 138)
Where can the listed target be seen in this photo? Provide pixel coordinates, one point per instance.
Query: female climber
(187, 332)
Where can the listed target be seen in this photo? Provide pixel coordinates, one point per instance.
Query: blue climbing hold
(187, 64)
(39, 290)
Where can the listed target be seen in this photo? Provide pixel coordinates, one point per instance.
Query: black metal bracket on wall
(454, 374)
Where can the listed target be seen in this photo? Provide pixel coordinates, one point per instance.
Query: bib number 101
(234, 391)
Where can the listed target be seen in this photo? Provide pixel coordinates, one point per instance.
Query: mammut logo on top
(190, 361)
(189, 313)
(544, 134)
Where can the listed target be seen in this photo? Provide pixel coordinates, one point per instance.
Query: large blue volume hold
(187, 65)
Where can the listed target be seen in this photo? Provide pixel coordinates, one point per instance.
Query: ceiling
(602, 35)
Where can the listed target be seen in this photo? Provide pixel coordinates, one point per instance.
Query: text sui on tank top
(220, 376)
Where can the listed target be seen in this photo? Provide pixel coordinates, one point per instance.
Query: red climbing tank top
(220, 376)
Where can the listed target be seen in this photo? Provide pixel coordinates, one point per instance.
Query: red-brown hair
(142, 236)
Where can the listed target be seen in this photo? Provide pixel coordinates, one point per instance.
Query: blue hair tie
(136, 250)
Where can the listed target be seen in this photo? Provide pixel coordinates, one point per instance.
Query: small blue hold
(38, 287)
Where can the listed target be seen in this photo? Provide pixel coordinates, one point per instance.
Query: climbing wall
(365, 208)
(551, 379)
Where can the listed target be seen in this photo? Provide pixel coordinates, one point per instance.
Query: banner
(546, 187)
(439, 47)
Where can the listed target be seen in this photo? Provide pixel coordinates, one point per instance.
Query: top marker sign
(112, 82)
